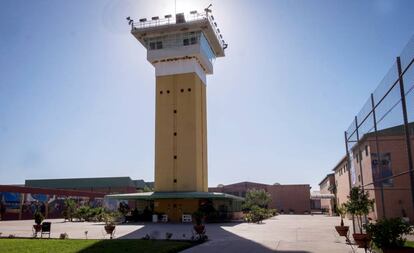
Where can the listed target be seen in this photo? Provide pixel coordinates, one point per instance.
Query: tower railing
(189, 18)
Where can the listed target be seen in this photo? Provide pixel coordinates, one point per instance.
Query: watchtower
(182, 50)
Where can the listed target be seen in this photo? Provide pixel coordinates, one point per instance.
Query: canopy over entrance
(177, 205)
(173, 195)
(317, 195)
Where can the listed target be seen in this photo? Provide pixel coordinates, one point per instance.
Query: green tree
(256, 203)
(359, 205)
(69, 209)
(256, 197)
(147, 189)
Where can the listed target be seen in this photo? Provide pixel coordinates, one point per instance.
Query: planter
(398, 250)
(199, 228)
(362, 240)
(37, 227)
(109, 229)
(342, 230)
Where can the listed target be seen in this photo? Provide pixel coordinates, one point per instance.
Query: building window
(366, 150)
(175, 180)
(175, 111)
(186, 42)
(175, 157)
(359, 178)
(168, 91)
(175, 133)
(160, 92)
(182, 90)
(189, 89)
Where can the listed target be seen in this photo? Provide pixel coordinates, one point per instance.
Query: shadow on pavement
(220, 240)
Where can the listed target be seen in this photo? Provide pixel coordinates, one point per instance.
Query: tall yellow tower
(182, 51)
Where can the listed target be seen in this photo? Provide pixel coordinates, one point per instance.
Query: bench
(186, 218)
(45, 229)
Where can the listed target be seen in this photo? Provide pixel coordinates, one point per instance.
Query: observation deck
(146, 30)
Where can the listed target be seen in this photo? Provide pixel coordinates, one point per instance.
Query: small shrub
(63, 236)
(198, 217)
(38, 217)
(95, 214)
(389, 233)
(341, 210)
(168, 236)
(69, 209)
(110, 217)
(123, 208)
(258, 214)
(82, 213)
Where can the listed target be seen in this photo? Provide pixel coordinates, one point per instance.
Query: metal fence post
(348, 162)
(378, 154)
(406, 129)
(359, 153)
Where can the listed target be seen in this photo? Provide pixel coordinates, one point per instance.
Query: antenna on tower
(130, 22)
(207, 10)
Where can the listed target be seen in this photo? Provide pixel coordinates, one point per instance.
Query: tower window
(175, 157)
(159, 44)
(175, 111)
(168, 91)
(175, 133)
(189, 89)
(175, 180)
(182, 90)
(160, 92)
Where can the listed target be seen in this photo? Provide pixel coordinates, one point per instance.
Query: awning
(173, 195)
(322, 196)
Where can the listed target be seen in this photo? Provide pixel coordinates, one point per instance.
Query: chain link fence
(380, 142)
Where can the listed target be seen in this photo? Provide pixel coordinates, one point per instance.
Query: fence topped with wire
(386, 95)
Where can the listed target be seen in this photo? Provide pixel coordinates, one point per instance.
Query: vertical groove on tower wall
(175, 115)
(202, 136)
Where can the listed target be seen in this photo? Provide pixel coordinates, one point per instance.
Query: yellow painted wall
(175, 208)
(180, 109)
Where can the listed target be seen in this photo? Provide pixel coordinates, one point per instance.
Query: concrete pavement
(283, 233)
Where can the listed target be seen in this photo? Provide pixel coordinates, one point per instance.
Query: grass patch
(91, 246)
(409, 244)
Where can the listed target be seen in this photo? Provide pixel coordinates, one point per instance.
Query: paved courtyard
(283, 233)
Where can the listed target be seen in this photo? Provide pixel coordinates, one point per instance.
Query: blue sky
(77, 94)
